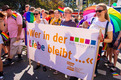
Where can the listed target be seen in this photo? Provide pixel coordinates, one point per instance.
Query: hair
(2, 15)
(69, 9)
(104, 8)
(51, 12)
(57, 11)
(32, 8)
(37, 11)
(27, 5)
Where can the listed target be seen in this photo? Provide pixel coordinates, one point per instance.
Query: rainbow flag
(4, 36)
(115, 74)
(29, 16)
(60, 9)
(14, 15)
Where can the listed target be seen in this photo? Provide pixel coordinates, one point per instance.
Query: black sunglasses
(99, 11)
(35, 13)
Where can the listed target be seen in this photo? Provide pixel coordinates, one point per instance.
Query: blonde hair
(69, 9)
(104, 6)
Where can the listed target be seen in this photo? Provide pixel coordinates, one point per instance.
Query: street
(22, 71)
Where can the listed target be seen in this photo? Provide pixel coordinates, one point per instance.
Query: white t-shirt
(43, 21)
(96, 24)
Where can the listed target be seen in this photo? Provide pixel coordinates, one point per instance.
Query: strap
(106, 29)
(92, 20)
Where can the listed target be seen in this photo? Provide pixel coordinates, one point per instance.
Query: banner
(69, 50)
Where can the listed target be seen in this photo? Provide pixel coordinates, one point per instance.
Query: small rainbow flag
(60, 9)
(4, 36)
(115, 74)
(14, 15)
(30, 17)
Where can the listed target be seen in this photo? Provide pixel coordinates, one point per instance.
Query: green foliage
(45, 4)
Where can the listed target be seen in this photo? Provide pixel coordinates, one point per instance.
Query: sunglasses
(99, 11)
(35, 13)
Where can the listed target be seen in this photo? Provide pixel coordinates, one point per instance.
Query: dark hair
(47, 12)
(2, 14)
(51, 12)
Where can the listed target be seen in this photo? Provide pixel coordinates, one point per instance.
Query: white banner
(69, 50)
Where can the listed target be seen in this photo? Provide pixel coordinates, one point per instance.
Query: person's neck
(67, 19)
(102, 19)
(37, 19)
(11, 13)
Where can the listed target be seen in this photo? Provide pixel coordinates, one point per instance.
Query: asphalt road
(22, 71)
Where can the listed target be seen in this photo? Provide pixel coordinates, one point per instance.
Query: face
(67, 14)
(36, 14)
(52, 15)
(27, 8)
(9, 12)
(57, 14)
(100, 12)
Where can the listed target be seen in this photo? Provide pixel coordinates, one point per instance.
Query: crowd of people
(12, 23)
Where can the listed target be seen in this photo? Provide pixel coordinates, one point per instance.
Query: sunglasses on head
(35, 13)
(99, 11)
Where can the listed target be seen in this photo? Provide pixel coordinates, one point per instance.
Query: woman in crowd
(56, 21)
(101, 21)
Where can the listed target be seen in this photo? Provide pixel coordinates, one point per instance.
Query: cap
(5, 7)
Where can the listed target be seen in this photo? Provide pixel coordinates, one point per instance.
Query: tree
(45, 4)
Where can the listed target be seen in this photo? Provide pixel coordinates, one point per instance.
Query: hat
(5, 7)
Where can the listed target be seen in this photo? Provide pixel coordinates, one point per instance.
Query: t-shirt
(56, 22)
(43, 21)
(96, 24)
(69, 23)
(13, 26)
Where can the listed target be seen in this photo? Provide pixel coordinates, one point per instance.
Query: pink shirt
(12, 26)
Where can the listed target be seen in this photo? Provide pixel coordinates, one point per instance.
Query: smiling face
(100, 12)
(56, 14)
(37, 14)
(67, 14)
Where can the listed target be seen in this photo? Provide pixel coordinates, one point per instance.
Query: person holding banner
(68, 18)
(56, 20)
(101, 22)
(69, 23)
(37, 22)
(2, 17)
